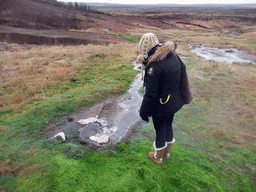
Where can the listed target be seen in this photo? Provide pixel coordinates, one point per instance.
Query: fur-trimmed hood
(163, 51)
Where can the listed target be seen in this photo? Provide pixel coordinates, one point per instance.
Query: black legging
(163, 127)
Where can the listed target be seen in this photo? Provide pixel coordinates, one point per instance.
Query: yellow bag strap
(166, 100)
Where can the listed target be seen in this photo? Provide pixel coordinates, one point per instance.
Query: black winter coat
(162, 83)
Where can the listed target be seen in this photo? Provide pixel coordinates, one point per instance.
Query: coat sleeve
(150, 99)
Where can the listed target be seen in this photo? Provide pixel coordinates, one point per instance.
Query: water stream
(230, 55)
(109, 121)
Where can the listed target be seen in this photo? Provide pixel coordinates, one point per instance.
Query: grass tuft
(127, 37)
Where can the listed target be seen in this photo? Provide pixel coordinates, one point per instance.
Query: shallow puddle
(232, 56)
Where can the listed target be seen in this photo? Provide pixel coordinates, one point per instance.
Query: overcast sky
(165, 1)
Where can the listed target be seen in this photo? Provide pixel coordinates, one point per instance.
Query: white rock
(100, 139)
(61, 136)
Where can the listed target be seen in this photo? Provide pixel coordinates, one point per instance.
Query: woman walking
(165, 81)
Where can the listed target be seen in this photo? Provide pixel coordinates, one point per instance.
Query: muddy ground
(97, 32)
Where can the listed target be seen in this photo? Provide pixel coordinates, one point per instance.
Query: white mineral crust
(100, 139)
(89, 120)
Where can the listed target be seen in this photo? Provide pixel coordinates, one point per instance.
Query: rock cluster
(96, 130)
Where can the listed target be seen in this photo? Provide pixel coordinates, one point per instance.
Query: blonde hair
(146, 42)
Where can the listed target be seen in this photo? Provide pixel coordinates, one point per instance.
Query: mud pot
(231, 56)
(107, 122)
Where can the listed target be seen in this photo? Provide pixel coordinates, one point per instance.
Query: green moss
(129, 169)
(127, 37)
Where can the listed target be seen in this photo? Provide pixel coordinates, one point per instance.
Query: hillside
(51, 22)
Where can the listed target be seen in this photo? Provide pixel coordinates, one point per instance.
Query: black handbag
(185, 88)
(184, 85)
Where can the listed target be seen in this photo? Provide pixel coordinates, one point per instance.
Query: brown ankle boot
(168, 149)
(157, 156)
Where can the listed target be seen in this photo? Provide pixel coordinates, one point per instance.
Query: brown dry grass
(7, 169)
(21, 169)
(25, 73)
(228, 93)
(222, 37)
(38, 168)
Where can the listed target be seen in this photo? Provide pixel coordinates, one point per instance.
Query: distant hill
(53, 14)
(226, 6)
(41, 14)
